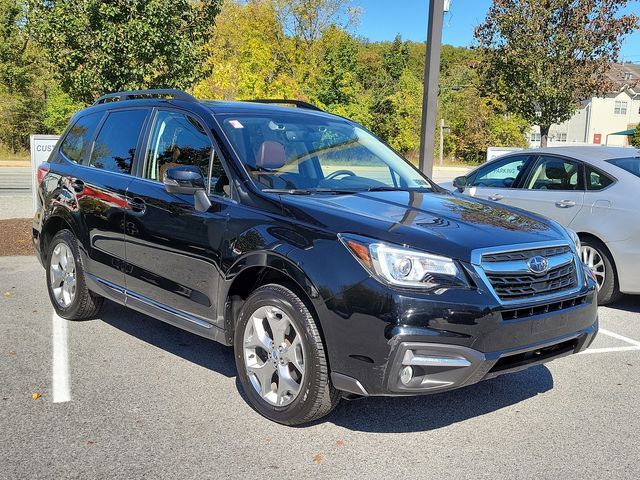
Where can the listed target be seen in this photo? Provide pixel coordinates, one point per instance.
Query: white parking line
(635, 344)
(609, 349)
(60, 365)
(620, 337)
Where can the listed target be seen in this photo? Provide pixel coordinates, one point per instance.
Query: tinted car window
(115, 145)
(597, 180)
(79, 136)
(554, 173)
(179, 139)
(499, 173)
(176, 139)
(631, 164)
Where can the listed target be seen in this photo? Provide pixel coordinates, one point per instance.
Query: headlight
(574, 238)
(400, 266)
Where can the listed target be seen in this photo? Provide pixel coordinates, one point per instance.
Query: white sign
(41, 148)
(495, 152)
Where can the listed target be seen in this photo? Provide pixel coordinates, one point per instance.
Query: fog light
(406, 374)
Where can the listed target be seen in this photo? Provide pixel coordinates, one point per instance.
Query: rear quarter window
(597, 180)
(79, 136)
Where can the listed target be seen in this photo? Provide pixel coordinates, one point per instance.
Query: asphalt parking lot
(143, 399)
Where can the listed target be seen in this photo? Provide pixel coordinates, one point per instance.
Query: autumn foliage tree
(541, 57)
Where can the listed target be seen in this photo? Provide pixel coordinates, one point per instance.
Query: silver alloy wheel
(62, 270)
(273, 356)
(593, 259)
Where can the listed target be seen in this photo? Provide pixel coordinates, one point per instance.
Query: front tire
(280, 357)
(66, 284)
(596, 256)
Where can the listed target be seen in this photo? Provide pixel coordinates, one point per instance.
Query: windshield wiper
(398, 189)
(308, 191)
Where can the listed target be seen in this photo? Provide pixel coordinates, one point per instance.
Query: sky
(383, 19)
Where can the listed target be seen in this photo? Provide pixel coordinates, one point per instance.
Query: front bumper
(439, 367)
(449, 340)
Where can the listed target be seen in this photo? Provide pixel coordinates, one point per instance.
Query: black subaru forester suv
(331, 265)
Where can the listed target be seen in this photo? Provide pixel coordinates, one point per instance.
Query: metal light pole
(431, 76)
(441, 156)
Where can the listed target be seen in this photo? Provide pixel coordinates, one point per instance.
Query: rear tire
(280, 357)
(597, 257)
(66, 284)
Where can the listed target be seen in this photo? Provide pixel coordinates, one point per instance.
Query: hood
(445, 224)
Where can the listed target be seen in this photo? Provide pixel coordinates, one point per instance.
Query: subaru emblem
(538, 265)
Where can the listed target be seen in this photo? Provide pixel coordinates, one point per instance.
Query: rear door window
(79, 136)
(555, 173)
(115, 145)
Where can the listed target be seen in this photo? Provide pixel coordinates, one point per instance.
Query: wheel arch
(256, 270)
(594, 238)
(52, 225)
(590, 236)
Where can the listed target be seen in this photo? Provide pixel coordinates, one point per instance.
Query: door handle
(495, 197)
(77, 185)
(565, 203)
(137, 205)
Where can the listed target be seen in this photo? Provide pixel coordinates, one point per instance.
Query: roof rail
(282, 101)
(137, 94)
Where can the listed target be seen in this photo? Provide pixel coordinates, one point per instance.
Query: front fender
(276, 260)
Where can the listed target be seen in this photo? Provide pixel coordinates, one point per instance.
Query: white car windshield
(296, 151)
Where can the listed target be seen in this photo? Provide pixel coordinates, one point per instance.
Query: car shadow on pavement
(375, 414)
(430, 412)
(628, 303)
(191, 347)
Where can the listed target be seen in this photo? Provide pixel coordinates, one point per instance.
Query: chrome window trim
(476, 262)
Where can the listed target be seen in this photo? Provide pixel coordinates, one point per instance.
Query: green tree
(543, 56)
(396, 58)
(247, 55)
(304, 23)
(58, 110)
(339, 87)
(100, 46)
(635, 139)
(22, 77)
(477, 121)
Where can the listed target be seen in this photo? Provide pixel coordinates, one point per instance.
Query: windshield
(301, 152)
(631, 164)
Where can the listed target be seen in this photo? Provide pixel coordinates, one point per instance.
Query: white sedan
(592, 190)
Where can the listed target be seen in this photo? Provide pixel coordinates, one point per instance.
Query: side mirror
(186, 179)
(460, 183)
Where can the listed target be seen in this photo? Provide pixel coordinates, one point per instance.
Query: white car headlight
(404, 267)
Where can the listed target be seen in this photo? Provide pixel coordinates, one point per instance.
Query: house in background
(598, 118)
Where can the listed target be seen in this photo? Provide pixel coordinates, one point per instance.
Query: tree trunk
(544, 134)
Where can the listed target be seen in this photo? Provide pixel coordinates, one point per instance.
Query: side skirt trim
(157, 310)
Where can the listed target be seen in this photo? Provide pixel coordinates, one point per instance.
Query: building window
(535, 137)
(620, 108)
(562, 137)
(627, 75)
